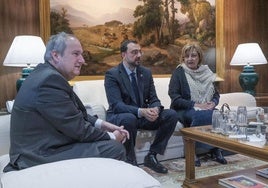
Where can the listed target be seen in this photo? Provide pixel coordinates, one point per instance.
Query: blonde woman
(193, 94)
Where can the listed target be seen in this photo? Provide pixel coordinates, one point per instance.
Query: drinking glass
(262, 119)
(231, 127)
(242, 119)
(260, 115)
(217, 120)
(265, 121)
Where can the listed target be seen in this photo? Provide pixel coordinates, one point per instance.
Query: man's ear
(55, 56)
(123, 54)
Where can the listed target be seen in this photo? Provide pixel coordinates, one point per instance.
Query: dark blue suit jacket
(120, 95)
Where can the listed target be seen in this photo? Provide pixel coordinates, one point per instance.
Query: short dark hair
(124, 44)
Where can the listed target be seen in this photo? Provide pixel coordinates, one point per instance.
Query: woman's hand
(211, 105)
(205, 106)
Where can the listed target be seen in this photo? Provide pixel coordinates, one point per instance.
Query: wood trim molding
(44, 13)
(220, 46)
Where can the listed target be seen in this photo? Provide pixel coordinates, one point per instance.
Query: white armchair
(236, 99)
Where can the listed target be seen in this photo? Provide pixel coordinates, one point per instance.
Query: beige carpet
(176, 167)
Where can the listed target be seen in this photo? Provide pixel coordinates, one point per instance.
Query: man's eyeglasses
(135, 52)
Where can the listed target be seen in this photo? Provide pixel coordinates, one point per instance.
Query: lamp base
(24, 74)
(248, 79)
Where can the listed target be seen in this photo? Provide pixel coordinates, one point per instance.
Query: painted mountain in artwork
(79, 18)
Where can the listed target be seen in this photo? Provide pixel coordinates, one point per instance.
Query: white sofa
(84, 173)
(92, 94)
(79, 173)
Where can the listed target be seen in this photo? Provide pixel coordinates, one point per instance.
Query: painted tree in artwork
(202, 18)
(59, 22)
(157, 23)
(149, 19)
(171, 24)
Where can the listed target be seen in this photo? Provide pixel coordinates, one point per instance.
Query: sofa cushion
(4, 159)
(237, 99)
(161, 87)
(91, 91)
(80, 173)
(96, 109)
(4, 134)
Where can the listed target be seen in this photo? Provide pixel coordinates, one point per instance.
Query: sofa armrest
(237, 99)
(91, 91)
(4, 134)
(96, 109)
(80, 173)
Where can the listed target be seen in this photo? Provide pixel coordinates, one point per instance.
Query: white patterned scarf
(200, 82)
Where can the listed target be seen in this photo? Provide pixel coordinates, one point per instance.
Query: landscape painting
(161, 27)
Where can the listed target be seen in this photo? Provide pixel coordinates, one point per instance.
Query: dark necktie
(135, 87)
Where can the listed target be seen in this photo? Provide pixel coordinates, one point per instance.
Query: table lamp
(25, 51)
(248, 54)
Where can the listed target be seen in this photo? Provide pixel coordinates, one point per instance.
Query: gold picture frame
(44, 6)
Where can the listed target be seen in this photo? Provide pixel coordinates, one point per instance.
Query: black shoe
(151, 162)
(197, 162)
(218, 156)
(132, 162)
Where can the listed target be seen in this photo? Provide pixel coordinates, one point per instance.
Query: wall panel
(244, 21)
(17, 18)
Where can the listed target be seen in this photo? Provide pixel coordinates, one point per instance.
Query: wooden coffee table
(204, 134)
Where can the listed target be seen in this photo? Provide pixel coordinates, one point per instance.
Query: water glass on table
(262, 115)
(242, 119)
(231, 127)
(217, 122)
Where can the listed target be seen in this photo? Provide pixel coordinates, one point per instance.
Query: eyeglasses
(135, 52)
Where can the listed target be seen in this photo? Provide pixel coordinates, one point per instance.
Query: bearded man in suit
(133, 102)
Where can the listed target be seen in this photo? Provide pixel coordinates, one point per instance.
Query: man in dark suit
(133, 102)
(49, 122)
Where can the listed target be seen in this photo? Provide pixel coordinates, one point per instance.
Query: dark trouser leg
(199, 118)
(165, 126)
(104, 149)
(129, 121)
(112, 149)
